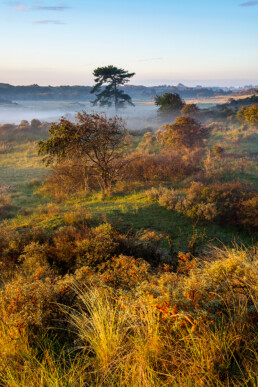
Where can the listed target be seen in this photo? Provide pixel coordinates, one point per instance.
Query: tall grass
(193, 328)
(133, 342)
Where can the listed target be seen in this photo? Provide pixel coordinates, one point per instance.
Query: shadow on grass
(180, 228)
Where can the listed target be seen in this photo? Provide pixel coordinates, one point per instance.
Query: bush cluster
(127, 322)
(227, 203)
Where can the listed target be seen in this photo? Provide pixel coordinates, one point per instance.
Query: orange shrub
(164, 166)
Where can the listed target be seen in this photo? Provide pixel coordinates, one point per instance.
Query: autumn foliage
(185, 132)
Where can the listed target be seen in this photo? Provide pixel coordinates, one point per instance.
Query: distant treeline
(82, 93)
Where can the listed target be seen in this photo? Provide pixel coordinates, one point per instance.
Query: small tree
(169, 104)
(184, 132)
(249, 115)
(190, 109)
(24, 124)
(35, 123)
(113, 77)
(95, 143)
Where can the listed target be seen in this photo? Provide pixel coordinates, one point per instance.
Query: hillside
(246, 92)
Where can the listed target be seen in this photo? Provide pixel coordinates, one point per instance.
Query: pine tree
(113, 77)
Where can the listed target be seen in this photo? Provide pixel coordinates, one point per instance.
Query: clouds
(58, 22)
(57, 8)
(20, 7)
(249, 4)
(37, 6)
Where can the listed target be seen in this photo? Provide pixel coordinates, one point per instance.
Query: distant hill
(82, 93)
(48, 93)
(251, 91)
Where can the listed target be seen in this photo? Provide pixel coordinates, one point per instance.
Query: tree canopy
(112, 77)
(169, 103)
(94, 142)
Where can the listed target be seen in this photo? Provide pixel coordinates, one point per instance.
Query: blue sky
(163, 41)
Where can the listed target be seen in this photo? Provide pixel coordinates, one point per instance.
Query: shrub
(12, 243)
(97, 248)
(35, 123)
(165, 166)
(27, 304)
(221, 202)
(128, 324)
(189, 110)
(24, 124)
(168, 199)
(249, 115)
(5, 205)
(228, 203)
(184, 132)
(33, 258)
(61, 250)
(248, 212)
(126, 272)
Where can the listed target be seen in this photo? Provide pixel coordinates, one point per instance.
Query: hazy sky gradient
(163, 41)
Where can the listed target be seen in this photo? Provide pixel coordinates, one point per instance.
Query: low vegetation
(131, 259)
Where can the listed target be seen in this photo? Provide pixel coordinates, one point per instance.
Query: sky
(208, 42)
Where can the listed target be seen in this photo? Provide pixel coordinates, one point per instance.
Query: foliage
(169, 104)
(5, 205)
(94, 143)
(163, 166)
(227, 203)
(190, 109)
(35, 123)
(114, 77)
(249, 115)
(132, 324)
(119, 290)
(97, 248)
(221, 202)
(24, 124)
(184, 132)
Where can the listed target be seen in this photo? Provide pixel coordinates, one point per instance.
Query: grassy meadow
(153, 283)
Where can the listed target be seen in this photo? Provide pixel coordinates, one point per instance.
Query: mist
(137, 117)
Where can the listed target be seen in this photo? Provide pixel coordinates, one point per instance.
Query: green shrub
(220, 202)
(228, 203)
(97, 248)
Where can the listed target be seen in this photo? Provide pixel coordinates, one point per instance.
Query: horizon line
(248, 85)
